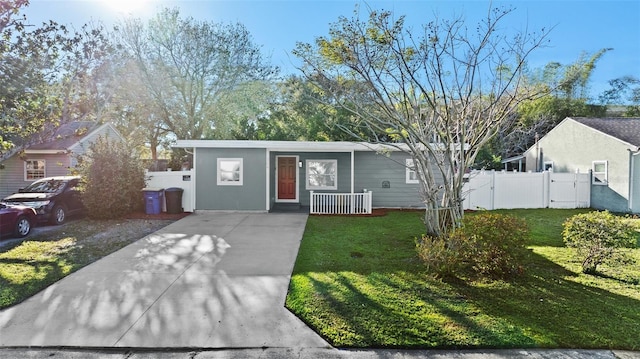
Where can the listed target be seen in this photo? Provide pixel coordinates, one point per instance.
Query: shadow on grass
(400, 307)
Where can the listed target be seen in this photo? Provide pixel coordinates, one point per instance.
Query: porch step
(289, 207)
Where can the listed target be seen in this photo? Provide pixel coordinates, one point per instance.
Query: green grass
(358, 283)
(31, 265)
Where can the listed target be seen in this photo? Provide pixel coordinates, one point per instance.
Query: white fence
(179, 179)
(503, 190)
(340, 203)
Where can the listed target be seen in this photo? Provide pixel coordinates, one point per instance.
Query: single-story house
(608, 147)
(55, 157)
(235, 175)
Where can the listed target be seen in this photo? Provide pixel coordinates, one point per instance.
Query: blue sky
(277, 25)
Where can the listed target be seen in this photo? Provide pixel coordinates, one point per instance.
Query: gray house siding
(83, 145)
(250, 196)
(572, 146)
(385, 176)
(12, 176)
(344, 173)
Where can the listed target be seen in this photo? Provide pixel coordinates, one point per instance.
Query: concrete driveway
(210, 280)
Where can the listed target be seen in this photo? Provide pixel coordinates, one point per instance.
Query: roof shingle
(625, 129)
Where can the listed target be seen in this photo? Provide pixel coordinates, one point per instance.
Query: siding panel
(373, 171)
(250, 196)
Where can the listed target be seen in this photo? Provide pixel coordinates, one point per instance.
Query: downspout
(268, 180)
(632, 153)
(194, 179)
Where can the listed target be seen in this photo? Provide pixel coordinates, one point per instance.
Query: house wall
(344, 173)
(83, 145)
(250, 196)
(12, 175)
(573, 147)
(385, 176)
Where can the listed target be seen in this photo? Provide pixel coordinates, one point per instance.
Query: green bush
(495, 244)
(486, 245)
(113, 179)
(598, 237)
(441, 255)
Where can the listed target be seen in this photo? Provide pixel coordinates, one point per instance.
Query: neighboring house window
(548, 166)
(322, 174)
(229, 171)
(34, 169)
(411, 175)
(599, 174)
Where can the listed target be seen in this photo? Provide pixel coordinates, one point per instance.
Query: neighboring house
(267, 175)
(51, 158)
(608, 147)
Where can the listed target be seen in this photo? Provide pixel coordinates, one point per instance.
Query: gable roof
(69, 136)
(66, 136)
(624, 129)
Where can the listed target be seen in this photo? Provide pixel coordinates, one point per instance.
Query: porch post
(352, 182)
(268, 180)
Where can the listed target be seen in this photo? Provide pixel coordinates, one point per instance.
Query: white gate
(179, 179)
(503, 190)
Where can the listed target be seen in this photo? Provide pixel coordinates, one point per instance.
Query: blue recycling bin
(153, 199)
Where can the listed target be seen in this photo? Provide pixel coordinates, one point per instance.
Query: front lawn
(358, 283)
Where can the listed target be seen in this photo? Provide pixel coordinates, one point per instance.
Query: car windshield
(46, 186)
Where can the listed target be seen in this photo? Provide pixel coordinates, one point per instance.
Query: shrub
(495, 244)
(441, 255)
(488, 245)
(598, 237)
(113, 178)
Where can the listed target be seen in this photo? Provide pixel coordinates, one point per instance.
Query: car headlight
(35, 204)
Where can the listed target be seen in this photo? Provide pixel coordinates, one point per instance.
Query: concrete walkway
(210, 280)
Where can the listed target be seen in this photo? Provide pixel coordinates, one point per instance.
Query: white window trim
(550, 163)
(306, 177)
(410, 168)
(606, 173)
(220, 182)
(44, 168)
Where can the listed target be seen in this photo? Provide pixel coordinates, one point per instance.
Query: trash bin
(173, 197)
(153, 198)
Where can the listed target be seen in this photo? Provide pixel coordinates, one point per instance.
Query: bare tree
(438, 94)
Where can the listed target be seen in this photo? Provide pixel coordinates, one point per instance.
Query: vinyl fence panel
(506, 190)
(179, 179)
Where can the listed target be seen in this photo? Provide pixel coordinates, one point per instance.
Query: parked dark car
(53, 198)
(16, 220)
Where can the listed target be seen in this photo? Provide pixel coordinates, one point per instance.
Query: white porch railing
(340, 203)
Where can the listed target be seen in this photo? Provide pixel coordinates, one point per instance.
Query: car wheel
(23, 226)
(58, 215)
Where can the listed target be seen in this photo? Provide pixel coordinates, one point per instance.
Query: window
(411, 174)
(322, 174)
(229, 171)
(34, 169)
(599, 171)
(548, 166)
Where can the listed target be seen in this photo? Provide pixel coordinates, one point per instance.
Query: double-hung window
(599, 173)
(322, 174)
(230, 172)
(411, 176)
(34, 169)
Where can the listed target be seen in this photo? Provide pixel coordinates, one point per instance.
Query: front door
(287, 179)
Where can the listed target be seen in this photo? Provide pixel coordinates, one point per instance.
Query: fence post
(311, 207)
